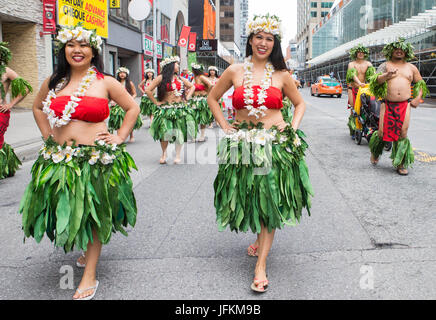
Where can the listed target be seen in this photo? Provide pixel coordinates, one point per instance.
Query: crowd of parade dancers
(81, 192)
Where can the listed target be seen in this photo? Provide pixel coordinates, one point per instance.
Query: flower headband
(169, 60)
(267, 23)
(79, 33)
(123, 69)
(212, 68)
(196, 66)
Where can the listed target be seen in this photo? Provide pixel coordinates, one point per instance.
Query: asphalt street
(371, 234)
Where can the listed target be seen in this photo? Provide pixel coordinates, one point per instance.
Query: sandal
(263, 285)
(162, 161)
(253, 251)
(402, 171)
(81, 265)
(90, 296)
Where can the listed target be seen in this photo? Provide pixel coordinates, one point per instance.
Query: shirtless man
(359, 69)
(20, 88)
(393, 84)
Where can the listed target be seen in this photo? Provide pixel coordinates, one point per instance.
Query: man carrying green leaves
(392, 83)
(359, 70)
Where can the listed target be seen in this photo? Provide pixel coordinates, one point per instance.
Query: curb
(27, 150)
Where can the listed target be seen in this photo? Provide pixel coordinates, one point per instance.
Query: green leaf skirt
(9, 161)
(116, 118)
(203, 113)
(175, 123)
(261, 183)
(287, 111)
(402, 151)
(77, 189)
(147, 106)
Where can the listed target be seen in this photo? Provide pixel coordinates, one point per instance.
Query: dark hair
(216, 73)
(276, 56)
(197, 72)
(146, 76)
(167, 78)
(127, 84)
(63, 69)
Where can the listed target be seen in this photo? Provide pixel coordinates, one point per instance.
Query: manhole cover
(424, 156)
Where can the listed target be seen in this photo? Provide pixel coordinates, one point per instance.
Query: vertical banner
(93, 14)
(209, 20)
(183, 40)
(49, 16)
(192, 41)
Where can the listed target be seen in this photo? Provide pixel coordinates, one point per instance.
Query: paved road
(371, 233)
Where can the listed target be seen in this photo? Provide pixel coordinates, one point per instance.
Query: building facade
(230, 27)
(21, 27)
(309, 14)
(244, 20)
(352, 19)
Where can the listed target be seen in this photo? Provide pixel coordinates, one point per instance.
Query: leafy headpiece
(359, 48)
(388, 50)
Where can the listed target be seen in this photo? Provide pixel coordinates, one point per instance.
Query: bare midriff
(273, 117)
(81, 132)
(170, 98)
(201, 93)
(399, 86)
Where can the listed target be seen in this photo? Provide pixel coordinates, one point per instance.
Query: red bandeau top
(178, 85)
(273, 100)
(90, 109)
(199, 87)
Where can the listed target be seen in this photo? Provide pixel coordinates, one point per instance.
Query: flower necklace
(70, 107)
(177, 93)
(248, 88)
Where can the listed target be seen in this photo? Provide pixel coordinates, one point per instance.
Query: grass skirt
(175, 123)
(116, 118)
(9, 161)
(262, 177)
(203, 114)
(147, 106)
(287, 111)
(77, 189)
(402, 151)
(352, 124)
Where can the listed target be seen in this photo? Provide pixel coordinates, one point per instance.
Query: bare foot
(177, 161)
(373, 160)
(81, 262)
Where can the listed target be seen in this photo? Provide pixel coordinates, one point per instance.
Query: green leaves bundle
(402, 153)
(19, 86)
(420, 85)
(9, 161)
(380, 91)
(351, 73)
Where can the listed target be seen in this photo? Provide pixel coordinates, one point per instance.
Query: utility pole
(155, 36)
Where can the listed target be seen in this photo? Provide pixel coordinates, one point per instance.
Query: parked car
(326, 85)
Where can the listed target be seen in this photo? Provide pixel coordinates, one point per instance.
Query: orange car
(326, 85)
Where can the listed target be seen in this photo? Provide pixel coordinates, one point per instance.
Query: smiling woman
(82, 172)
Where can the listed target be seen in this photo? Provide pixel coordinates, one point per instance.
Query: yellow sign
(115, 4)
(93, 14)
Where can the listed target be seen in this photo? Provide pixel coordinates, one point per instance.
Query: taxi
(326, 85)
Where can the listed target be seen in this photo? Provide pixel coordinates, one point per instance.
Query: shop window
(313, 14)
(165, 28)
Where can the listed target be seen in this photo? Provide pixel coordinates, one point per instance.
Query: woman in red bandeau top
(262, 182)
(173, 119)
(80, 190)
(199, 101)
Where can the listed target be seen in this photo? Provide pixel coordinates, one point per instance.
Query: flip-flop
(254, 248)
(402, 171)
(81, 265)
(254, 287)
(90, 288)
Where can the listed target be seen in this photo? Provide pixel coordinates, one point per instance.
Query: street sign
(139, 9)
(204, 45)
(93, 14)
(148, 47)
(115, 4)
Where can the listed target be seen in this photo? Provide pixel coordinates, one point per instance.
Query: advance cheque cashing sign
(93, 14)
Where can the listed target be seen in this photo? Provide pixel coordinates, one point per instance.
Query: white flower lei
(70, 107)
(248, 88)
(177, 93)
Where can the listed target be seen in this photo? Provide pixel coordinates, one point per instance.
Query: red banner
(192, 41)
(183, 40)
(49, 16)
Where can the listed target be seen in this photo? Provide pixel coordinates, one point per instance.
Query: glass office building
(358, 18)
